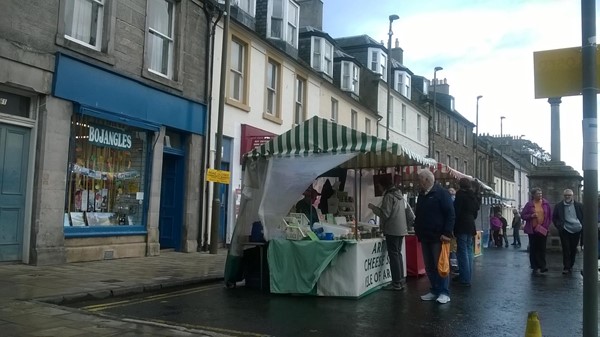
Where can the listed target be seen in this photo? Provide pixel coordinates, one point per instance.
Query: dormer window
(350, 76)
(378, 62)
(322, 55)
(402, 83)
(280, 12)
(247, 6)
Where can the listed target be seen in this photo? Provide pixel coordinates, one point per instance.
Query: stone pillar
(555, 128)
(553, 178)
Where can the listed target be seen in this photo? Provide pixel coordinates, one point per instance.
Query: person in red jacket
(537, 214)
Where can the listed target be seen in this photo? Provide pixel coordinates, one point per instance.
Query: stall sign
(108, 137)
(253, 137)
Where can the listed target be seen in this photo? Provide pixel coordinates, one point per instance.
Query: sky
(486, 48)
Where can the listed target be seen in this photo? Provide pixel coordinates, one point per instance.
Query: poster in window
(77, 219)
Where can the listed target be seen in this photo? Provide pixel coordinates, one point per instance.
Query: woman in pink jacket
(537, 214)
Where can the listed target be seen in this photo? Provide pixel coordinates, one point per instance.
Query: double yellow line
(106, 306)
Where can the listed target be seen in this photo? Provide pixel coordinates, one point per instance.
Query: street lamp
(435, 126)
(501, 159)
(392, 18)
(477, 136)
(520, 171)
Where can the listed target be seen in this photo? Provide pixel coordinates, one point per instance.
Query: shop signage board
(218, 176)
(253, 137)
(109, 137)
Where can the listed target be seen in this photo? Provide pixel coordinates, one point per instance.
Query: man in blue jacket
(434, 224)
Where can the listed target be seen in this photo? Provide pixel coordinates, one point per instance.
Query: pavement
(30, 296)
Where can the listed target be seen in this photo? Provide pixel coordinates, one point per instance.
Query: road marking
(195, 327)
(106, 306)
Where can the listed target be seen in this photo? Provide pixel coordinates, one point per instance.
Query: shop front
(131, 151)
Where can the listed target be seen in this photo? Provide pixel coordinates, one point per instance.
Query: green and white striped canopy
(318, 135)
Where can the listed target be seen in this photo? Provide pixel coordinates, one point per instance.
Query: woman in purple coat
(537, 212)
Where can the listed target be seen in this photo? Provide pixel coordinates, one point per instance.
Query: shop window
(105, 182)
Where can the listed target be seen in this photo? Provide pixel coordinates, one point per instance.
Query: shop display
(106, 171)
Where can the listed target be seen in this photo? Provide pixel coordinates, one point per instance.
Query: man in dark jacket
(568, 219)
(466, 206)
(434, 224)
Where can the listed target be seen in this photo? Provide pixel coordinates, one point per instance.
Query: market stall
(276, 174)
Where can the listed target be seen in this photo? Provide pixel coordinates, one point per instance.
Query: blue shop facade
(132, 174)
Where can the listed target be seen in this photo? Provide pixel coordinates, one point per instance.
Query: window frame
(273, 90)
(465, 134)
(250, 4)
(404, 121)
(105, 50)
(285, 4)
(419, 121)
(334, 110)
(300, 99)
(354, 119)
(175, 80)
(322, 55)
(455, 131)
(367, 126)
(350, 77)
(380, 63)
(447, 127)
(245, 43)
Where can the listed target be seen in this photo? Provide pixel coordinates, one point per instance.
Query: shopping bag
(539, 229)
(444, 260)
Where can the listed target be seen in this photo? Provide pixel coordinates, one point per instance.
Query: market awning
(318, 135)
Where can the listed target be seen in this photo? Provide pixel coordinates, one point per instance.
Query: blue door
(14, 157)
(171, 202)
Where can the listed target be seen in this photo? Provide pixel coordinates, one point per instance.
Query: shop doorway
(171, 202)
(14, 162)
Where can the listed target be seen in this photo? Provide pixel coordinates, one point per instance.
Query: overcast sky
(486, 48)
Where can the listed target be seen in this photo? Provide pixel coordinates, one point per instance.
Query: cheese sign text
(103, 136)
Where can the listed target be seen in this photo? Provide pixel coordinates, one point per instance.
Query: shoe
(430, 297)
(543, 270)
(506, 246)
(535, 271)
(513, 244)
(393, 287)
(443, 299)
(565, 271)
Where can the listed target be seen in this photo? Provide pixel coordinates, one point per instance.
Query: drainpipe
(209, 12)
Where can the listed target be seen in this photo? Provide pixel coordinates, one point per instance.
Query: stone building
(102, 121)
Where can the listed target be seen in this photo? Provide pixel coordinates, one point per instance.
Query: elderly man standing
(568, 219)
(434, 224)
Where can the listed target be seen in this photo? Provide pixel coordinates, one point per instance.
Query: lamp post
(520, 171)
(392, 18)
(476, 174)
(434, 126)
(216, 202)
(501, 159)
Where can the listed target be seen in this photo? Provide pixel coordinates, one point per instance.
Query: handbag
(444, 260)
(539, 229)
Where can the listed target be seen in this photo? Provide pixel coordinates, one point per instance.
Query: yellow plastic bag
(444, 260)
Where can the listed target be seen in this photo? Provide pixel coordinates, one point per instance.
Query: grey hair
(427, 175)
(534, 190)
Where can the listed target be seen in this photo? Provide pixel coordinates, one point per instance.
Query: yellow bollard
(533, 325)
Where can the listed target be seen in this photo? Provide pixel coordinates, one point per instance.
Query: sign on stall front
(218, 176)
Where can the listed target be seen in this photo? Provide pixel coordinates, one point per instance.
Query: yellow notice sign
(558, 72)
(218, 176)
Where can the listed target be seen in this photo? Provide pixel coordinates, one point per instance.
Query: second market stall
(276, 174)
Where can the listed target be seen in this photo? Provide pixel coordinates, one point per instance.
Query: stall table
(345, 268)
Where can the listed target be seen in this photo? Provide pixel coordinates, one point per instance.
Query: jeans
(431, 255)
(465, 253)
(394, 248)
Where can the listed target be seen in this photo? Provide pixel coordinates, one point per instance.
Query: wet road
(503, 292)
